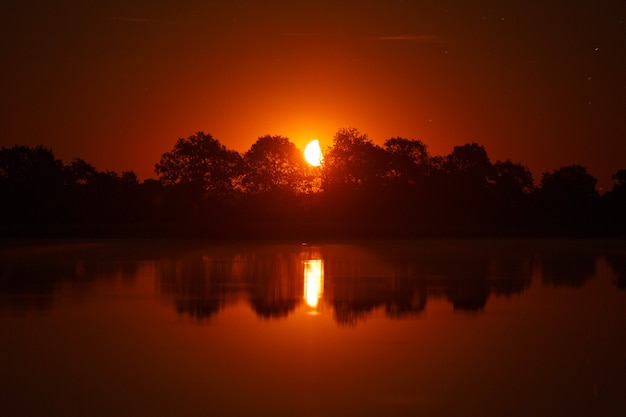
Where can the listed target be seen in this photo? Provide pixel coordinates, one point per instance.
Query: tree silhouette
(513, 185)
(200, 164)
(569, 184)
(462, 188)
(568, 199)
(275, 180)
(620, 179)
(79, 172)
(614, 205)
(201, 179)
(91, 196)
(31, 182)
(354, 175)
(353, 162)
(470, 161)
(409, 160)
(407, 180)
(361, 190)
(23, 166)
(274, 164)
(513, 179)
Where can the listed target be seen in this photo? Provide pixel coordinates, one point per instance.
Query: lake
(372, 328)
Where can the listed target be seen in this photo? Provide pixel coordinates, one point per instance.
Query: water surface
(430, 328)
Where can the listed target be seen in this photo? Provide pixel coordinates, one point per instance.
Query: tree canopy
(201, 164)
(274, 164)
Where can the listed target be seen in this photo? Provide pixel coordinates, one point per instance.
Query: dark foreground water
(412, 328)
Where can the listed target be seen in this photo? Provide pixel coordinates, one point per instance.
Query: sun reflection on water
(313, 282)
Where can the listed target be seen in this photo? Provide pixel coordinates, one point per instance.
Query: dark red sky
(117, 82)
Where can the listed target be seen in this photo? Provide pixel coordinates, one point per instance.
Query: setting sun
(313, 153)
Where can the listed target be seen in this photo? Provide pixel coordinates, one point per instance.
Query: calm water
(428, 328)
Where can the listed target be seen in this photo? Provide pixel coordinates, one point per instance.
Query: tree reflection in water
(32, 274)
(352, 280)
(618, 264)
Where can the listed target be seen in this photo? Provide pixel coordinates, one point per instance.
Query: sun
(313, 153)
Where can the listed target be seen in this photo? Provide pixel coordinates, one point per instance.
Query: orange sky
(117, 82)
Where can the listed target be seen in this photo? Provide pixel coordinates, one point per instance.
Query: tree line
(361, 190)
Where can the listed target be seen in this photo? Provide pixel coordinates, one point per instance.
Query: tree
(129, 178)
(614, 204)
(568, 199)
(463, 195)
(80, 173)
(569, 185)
(409, 159)
(407, 181)
(354, 180)
(513, 185)
(620, 179)
(31, 183)
(274, 164)
(101, 197)
(353, 162)
(200, 164)
(512, 179)
(470, 161)
(26, 167)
